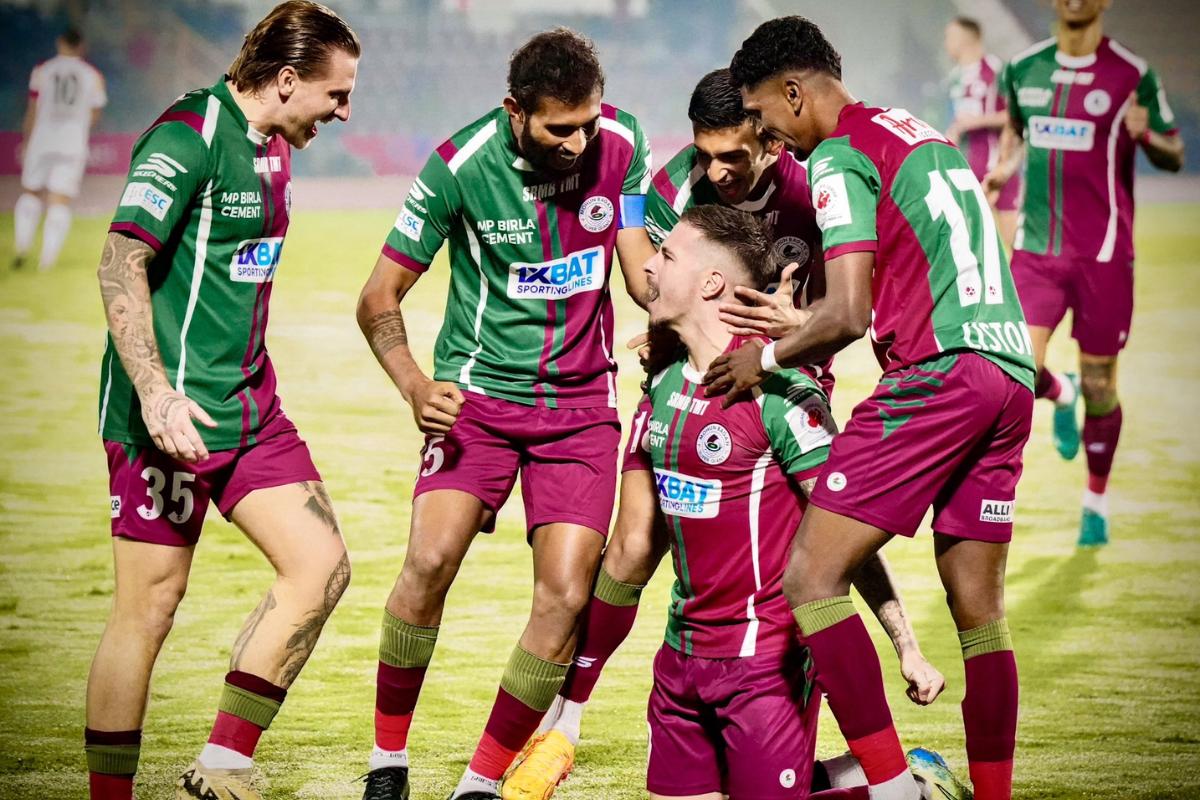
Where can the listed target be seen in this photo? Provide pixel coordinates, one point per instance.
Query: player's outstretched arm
(435, 404)
(874, 582)
(125, 290)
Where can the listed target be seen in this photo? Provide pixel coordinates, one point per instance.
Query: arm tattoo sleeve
(125, 290)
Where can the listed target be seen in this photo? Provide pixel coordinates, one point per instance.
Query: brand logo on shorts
(559, 278)
(787, 778)
(996, 511)
(714, 444)
(684, 496)
(255, 260)
(835, 482)
(146, 197)
(114, 505)
(596, 214)
(792, 248)
(1097, 102)
(1054, 133)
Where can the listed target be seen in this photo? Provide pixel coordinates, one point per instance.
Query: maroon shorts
(1099, 295)
(636, 453)
(746, 727)
(159, 500)
(566, 457)
(946, 433)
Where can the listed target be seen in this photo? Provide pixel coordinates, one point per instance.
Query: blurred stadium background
(1107, 640)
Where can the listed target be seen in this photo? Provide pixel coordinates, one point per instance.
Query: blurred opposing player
(66, 95)
(1081, 104)
(980, 113)
(732, 711)
(186, 281)
(534, 197)
(733, 163)
(911, 254)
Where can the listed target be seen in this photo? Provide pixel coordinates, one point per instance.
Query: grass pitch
(1107, 640)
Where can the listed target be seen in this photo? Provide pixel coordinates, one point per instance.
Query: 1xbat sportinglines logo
(558, 278)
(682, 495)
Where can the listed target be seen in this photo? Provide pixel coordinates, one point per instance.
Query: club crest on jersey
(558, 278)
(831, 203)
(255, 260)
(996, 511)
(596, 214)
(681, 495)
(714, 444)
(792, 248)
(1060, 133)
(146, 197)
(1097, 102)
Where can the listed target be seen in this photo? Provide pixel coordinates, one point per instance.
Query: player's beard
(665, 348)
(541, 157)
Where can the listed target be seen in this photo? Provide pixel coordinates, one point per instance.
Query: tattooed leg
(296, 528)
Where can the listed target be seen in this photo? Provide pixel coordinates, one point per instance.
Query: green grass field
(1107, 641)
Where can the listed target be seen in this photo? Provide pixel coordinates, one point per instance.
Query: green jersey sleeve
(1007, 89)
(845, 192)
(661, 218)
(796, 416)
(637, 177)
(168, 171)
(433, 204)
(1150, 93)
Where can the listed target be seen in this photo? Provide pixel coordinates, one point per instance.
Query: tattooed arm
(435, 404)
(874, 582)
(125, 290)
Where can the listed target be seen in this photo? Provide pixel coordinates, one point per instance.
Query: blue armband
(633, 211)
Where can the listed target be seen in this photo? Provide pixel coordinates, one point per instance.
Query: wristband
(768, 362)
(1145, 137)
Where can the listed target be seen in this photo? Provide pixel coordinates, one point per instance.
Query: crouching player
(731, 163)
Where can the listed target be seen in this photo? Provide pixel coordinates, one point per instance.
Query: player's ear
(514, 108)
(793, 92)
(772, 145)
(286, 81)
(713, 285)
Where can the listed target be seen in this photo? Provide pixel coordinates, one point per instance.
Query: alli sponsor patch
(996, 511)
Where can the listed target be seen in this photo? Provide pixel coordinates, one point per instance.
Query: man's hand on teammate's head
(435, 406)
(733, 374)
(168, 415)
(773, 315)
(925, 682)
(1137, 118)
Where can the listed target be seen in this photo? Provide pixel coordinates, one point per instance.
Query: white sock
(214, 756)
(902, 787)
(381, 759)
(551, 715)
(1096, 503)
(1066, 395)
(569, 717)
(844, 772)
(26, 215)
(54, 233)
(474, 782)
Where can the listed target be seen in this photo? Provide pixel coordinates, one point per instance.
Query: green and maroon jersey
(212, 196)
(975, 91)
(781, 198)
(1079, 158)
(529, 317)
(728, 486)
(888, 183)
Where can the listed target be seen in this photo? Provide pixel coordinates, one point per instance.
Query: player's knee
(1099, 392)
(561, 599)
(630, 560)
(428, 571)
(974, 609)
(151, 613)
